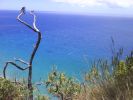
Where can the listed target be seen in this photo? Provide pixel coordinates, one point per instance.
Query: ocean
(69, 42)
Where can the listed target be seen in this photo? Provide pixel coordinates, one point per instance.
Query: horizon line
(75, 13)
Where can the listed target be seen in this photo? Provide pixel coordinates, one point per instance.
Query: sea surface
(69, 42)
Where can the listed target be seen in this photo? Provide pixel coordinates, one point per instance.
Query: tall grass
(109, 80)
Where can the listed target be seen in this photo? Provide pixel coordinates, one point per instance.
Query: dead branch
(34, 22)
(35, 29)
(15, 65)
(22, 61)
(22, 12)
(29, 64)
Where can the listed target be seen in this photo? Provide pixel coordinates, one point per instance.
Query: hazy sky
(104, 7)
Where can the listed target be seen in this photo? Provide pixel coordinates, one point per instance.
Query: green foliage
(100, 71)
(42, 97)
(8, 90)
(12, 90)
(111, 81)
(106, 80)
(121, 70)
(62, 86)
(129, 62)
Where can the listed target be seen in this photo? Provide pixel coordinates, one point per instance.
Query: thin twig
(34, 22)
(22, 61)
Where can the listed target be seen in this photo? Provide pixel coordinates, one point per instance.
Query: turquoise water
(69, 41)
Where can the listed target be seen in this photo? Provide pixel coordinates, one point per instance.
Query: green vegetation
(62, 86)
(12, 91)
(110, 80)
(41, 97)
(106, 80)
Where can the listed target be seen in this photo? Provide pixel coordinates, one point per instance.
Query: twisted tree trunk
(29, 64)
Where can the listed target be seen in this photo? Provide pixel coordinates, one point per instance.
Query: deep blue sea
(69, 42)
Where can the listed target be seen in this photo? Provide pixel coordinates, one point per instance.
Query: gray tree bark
(30, 63)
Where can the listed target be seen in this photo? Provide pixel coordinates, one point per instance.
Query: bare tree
(29, 64)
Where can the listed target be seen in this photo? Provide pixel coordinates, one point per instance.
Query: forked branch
(22, 12)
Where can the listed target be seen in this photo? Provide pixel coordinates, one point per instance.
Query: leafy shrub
(62, 86)
(12, 90)
(8, 90)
